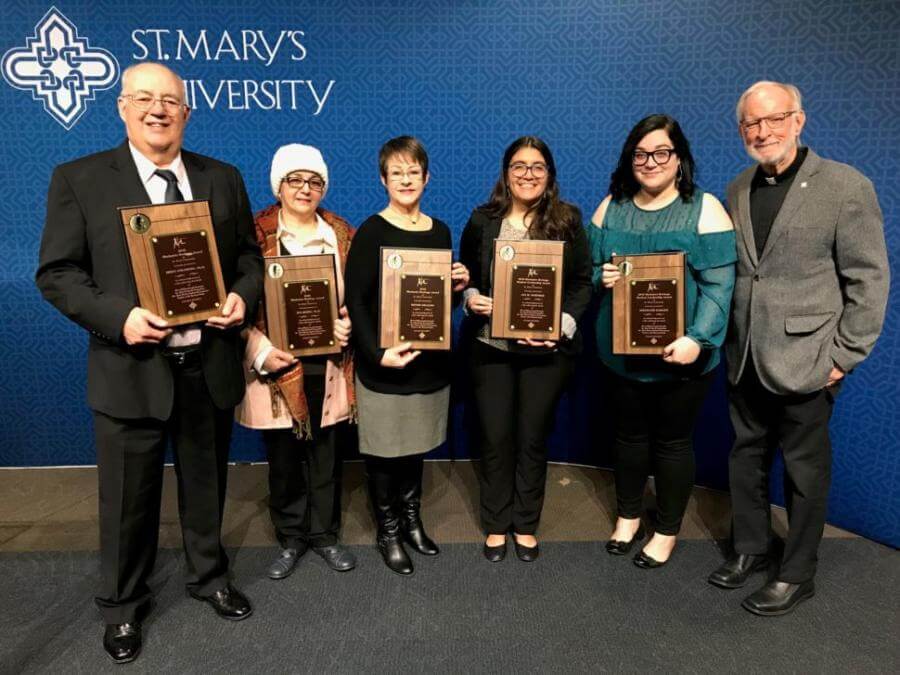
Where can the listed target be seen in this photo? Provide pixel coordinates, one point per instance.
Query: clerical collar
(786, 175)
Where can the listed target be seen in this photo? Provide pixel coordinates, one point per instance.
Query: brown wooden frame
(411, 261)
(668, 268)
(143, 225)
(508, 256)
(279, 272)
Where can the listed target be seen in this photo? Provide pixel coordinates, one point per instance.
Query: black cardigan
(476, 250)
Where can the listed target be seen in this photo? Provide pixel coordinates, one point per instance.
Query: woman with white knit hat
(301, 403)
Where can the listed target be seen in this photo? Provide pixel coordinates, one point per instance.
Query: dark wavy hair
(622, 183)
(553, 218)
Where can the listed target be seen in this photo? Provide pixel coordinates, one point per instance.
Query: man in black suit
(147, 383)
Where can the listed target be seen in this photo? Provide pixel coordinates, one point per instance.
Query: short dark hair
(405, 146)
(622, 183)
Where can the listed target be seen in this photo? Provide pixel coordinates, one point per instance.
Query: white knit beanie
(296, 157)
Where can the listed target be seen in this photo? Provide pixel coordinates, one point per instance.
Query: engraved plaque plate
(185, 269)
(654, 313)
(532, 296)
(307, 314)
(422, 307)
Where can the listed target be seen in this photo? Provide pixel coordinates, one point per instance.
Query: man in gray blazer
(809, 302)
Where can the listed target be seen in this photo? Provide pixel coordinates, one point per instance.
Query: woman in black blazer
(518, 383)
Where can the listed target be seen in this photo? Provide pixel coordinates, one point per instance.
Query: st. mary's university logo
(60, 68)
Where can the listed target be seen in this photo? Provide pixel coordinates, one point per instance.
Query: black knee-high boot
(383, 494)
(410, 507)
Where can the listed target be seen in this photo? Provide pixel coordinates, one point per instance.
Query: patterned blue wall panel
(467, 78)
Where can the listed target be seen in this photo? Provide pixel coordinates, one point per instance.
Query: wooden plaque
(648, 304)
(302, 304)
(415, 297)
(528, 281)
(175, 260)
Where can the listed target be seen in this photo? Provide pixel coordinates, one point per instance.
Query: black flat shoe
(337, 557)
(616, 547)
(229, 603)
(527, 553)
(777, 598)
(122, 641)
(735, 571)
(645, 562)
(495, 553)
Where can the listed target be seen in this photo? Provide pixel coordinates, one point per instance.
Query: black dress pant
(130, 456)
(516, 396)
(304, 478)
(654, 434)
(799, 424)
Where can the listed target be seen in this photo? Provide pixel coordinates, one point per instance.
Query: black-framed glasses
(144, 102)
(521, 169)
(660, 156)
(774, 122)
(315, 183)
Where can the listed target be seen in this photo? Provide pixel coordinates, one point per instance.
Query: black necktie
(173, 194)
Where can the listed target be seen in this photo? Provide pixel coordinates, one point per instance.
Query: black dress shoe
(645, 562)
(337, 557)
(393, 553)
(122, 641)
(735, 571)
(616, 547)
(229, 603)
(527, 553)
(285, 564)
(778, 597)
(495, 553)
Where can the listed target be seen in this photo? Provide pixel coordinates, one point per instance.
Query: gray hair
(791, 90)
(130, 70)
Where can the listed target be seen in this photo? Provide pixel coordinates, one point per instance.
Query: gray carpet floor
(575, 610)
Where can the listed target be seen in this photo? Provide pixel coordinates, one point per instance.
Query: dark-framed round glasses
(660, 156)
(315, 183)
(521, 169)
(144, 102)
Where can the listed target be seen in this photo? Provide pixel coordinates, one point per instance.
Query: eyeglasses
(414, 175)
(144, 102)
(660, 157)
(315, 183)
(774, 122)
(521, 169)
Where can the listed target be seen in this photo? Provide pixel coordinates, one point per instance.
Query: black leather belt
(183, 356)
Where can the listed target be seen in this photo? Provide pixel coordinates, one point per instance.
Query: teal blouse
(709, 280)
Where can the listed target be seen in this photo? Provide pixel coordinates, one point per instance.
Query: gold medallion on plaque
(139, 223)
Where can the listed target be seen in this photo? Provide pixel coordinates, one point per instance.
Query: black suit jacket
(85, 273)
(476, 252)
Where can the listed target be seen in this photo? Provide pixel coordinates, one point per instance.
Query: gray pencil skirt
(398, 425)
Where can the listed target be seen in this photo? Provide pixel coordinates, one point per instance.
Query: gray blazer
(817, 295)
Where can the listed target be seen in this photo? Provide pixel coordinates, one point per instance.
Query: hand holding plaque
(648, 302)
(301, 304)
(415, 298)
(528, 280)
(175, 260)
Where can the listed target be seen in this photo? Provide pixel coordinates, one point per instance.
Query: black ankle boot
(388, 537)
(410, 509)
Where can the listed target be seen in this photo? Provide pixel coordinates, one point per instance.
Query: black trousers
(130, 456)
(304, 478)
(516, 397)
(654, 434)
(799, 424)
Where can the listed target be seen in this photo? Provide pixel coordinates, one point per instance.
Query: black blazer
(476, 250)
(84, 272)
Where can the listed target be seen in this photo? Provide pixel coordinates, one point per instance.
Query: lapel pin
(803, 184)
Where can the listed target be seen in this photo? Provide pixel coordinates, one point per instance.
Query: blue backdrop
(467, 78)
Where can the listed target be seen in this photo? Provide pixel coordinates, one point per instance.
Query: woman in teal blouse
(653, 206)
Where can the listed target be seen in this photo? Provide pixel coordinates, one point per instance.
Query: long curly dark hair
(622, 183)
(553, 218)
